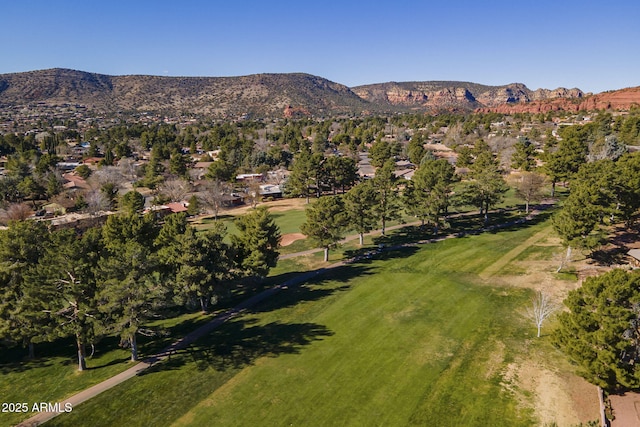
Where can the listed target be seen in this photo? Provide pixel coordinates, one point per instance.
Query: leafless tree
(541, 308)
(213, 196)
(175, 189)
(107, 175)
(128, 168)
(253, 193)
(454, 136)
(96, 202)
(15, 212)
(563, 258)
(279, 176)
(505, 146)
(529, 187)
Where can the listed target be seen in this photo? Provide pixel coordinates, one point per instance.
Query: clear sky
(592, 45)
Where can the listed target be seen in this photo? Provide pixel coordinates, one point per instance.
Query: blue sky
(591, 45)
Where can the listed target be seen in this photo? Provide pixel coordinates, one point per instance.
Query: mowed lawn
(411, 339)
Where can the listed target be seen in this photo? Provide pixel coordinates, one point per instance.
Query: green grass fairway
(411, 339)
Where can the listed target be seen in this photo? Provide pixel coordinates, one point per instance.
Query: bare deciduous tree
(175, 189)
(253, 193)
(541, 308)
(128, 168)
(563, 258)
(97, 202)
(108, 175)
(213, 196)
(15, 212)
(529, 188)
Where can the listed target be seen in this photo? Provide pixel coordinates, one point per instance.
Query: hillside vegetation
(259, 95)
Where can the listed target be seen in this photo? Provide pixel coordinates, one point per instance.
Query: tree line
(113, 279)
(428, 196)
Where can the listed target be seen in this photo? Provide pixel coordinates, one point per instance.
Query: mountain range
(276, 95)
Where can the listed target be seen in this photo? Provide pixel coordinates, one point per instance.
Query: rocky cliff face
(575, 100)
(418, 95)
(447, 95)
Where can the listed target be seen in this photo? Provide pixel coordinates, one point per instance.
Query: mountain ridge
(265, 95)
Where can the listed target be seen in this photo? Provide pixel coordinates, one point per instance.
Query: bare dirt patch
(626, 409)
(557, 398)
(289, 238)
(554, 392)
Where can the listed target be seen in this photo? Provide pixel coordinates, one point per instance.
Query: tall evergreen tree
(523, 157)
(302, 175)
(385, 182)
(563, 163)
(427, 195)
(131, 288)
(326, 222)
(22, 305)
(257, 244)
(486, 186)
(69, 283)
(341, 172)
(601, 330)
(197, 264)
(359, 205)
(626, 187)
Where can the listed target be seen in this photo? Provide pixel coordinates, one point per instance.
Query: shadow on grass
(308, 287)
(504, 220)
(14, 358)
(239, 343)
(110, 363)
(211, 219)
(22, 366)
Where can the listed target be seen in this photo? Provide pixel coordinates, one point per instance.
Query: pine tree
(326, 222)
(427, 195)
(257, 244)
(385, 182)
(486, 186)
(131, 288)
(359, 205)
(22, 316)
(67, 273)
(302, 175)
(523, 157)
(131, 203)
(602, 329)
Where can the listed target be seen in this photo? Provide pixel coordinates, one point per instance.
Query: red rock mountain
(622, 99)
(437, 95)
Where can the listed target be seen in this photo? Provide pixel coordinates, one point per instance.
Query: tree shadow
(23, 365)
(14, 358)
(239, 343)
(110, 363)
(308, 287)
(610, 255)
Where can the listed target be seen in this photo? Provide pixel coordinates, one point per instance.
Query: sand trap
(288, 239)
